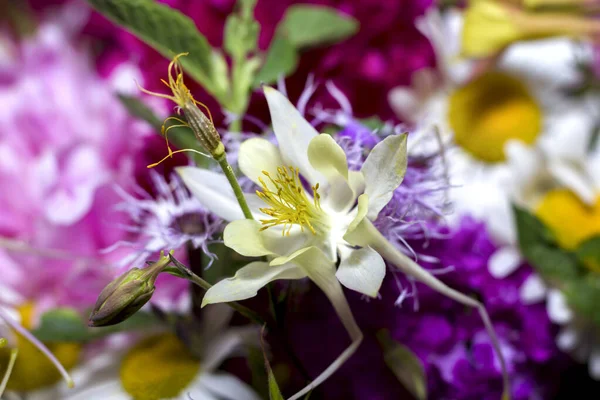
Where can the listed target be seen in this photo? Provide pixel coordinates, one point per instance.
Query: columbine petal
(248, 280)
(327, 157)
(362, 270)
(246, 238)
(322, 272)
(353, 234)
(213, 191)
(293, 133)
(257, 155)
(384, 171)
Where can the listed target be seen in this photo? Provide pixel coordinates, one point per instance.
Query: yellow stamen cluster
(158, 367)
(491, 110)
(289, 204)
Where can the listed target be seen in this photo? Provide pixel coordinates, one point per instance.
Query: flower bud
(124, 296)
(203, 129)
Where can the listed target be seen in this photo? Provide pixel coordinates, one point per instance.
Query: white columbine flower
(304, 234)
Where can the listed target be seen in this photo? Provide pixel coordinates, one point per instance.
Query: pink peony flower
(66, 143)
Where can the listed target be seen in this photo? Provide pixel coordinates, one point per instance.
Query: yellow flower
(570, 219)
(30, 358)
(490, 110)
(490, 26)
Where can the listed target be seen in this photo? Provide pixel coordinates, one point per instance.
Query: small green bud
(125, 295)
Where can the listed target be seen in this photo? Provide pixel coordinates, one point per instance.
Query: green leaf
(166, 30)
(311, 25)
(583, 296)
(538, 246)
(274, 391)
(281, 60)
(404, 364)
(62, 324)
(138, 109)
(588, 253)
(68, 325)
(241, 35)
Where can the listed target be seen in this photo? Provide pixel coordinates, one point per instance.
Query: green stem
(236, 125)
(192, 277)
(237, 190)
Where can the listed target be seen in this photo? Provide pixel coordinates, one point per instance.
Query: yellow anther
(288, 203)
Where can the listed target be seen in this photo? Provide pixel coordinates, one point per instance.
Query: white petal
(353, 234)
(111, 390)
(504, 262)
(405, 103)
(567, 339)
(293, 133)
(574, 179)
(245, 237)
(558, 310)
(248, 280)
(533, 290)
(257, 155)
(362, 270)
(384, 171)
(594, 366)
(327, 157)
(322, 272)
(226, 386)
(213, 191)
(220, 347)
(525, 163)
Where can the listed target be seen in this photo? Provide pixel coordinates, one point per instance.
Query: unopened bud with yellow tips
(124, 296)
(490, 26)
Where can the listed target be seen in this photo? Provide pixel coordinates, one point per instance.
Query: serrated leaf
(166, 30)
(404, 364)
(281, 60)
(538, 246)
(311, 25)
(66, 324)
(584, 296)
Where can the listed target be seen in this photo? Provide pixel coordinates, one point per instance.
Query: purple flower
(449, 340)
(166, 220)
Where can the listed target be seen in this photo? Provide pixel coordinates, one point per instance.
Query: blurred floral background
(499, 198)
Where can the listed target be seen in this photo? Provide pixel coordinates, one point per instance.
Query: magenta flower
(65, 142)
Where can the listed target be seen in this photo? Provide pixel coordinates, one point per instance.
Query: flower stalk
(186, 273)
(201, 124)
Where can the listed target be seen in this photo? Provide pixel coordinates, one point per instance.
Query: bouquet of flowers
(249, 199)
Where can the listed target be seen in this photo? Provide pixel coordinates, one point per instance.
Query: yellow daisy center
(490, 110)
(33, 370)
(571, 220)
(158, 367)
(288, 203)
